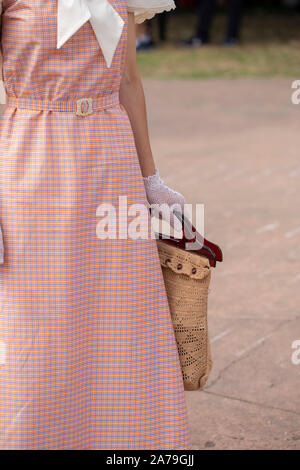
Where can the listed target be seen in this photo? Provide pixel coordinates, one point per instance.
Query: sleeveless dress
(88, 358)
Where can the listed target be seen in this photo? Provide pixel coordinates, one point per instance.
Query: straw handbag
(187, 276)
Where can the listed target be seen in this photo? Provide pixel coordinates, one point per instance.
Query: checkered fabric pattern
(88, 354)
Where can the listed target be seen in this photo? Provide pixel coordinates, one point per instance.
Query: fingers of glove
(175, 222)
(165, 212)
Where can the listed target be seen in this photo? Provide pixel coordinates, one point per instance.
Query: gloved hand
(159, 193)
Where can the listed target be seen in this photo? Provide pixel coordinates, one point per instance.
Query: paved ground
(234, 146)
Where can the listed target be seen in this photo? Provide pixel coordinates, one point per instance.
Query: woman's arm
(133, 99)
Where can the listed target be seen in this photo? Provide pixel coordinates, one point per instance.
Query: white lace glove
(168, 199)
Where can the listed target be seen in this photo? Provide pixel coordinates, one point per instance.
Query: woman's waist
(80, 106)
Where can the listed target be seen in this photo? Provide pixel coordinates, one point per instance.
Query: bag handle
(191, 238)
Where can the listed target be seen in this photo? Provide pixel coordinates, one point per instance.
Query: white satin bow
(105, 20)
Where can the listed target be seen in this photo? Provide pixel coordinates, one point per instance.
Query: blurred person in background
(235, 10)
(144, 32)
(144, 36)
(205, 10)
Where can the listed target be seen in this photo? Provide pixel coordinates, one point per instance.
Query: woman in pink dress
(88, 358)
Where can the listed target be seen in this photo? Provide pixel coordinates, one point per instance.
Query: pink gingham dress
(88, 358)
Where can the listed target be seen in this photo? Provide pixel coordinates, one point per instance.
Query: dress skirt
(88, 357)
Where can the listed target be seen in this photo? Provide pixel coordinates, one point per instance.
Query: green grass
(270, 48)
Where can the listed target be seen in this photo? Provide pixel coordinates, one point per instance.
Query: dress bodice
(34, 67)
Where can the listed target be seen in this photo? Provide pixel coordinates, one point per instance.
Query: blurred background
(268, 30)
(217, 79)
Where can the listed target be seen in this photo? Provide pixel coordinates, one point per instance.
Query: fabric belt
(81, 106)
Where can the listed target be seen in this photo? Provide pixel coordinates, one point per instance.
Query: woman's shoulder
(146, 9)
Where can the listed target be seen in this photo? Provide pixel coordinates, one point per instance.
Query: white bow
(105, 20)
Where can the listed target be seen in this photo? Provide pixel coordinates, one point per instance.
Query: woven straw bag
(187, 277)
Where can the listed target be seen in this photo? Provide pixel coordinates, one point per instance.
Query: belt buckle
(79, 106)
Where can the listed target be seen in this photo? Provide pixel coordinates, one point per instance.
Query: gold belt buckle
(81, 104)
